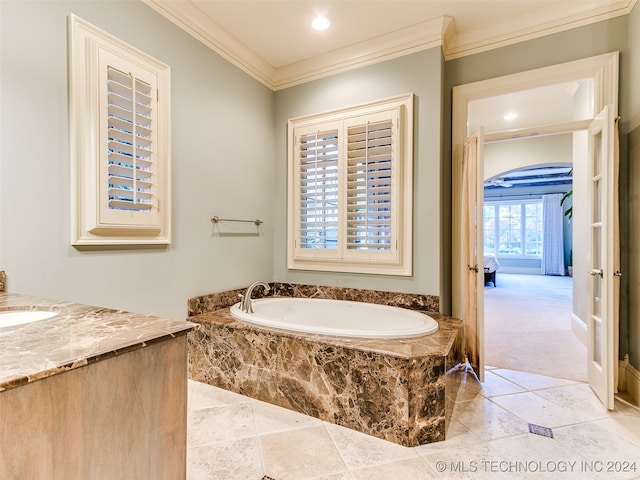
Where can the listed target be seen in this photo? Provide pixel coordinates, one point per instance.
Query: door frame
(603, 69)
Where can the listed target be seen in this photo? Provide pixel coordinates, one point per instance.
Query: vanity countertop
(77, 336)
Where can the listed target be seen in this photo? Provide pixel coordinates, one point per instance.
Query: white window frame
(397, 259)
(96, 218)
(522, 202)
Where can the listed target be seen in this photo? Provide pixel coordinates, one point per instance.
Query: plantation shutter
(129, 170)
(318, 190)
(369, 185)
(350, 189)
(120, 141)
(130, 129)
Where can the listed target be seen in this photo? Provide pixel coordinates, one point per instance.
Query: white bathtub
(337, 317)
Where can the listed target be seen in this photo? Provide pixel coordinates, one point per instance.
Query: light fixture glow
(320, 23)
(510, 116)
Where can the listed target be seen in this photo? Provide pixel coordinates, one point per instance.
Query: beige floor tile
(336, 476)
(578, 398)
(271, 418)
(532, 456)
(531, 381)
(218, 425)
(494, 385)
(359, 450)
(464, 463)
(300, 454)
(457, 436)
(469, 387)
(487, 420)
(233, 437)
(202, 395)
(532, 408)
(412, 469)
(607, 447)
(234, 460)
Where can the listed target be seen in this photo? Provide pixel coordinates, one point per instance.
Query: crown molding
(192, 20)
(402, 42)
(440, 32)
(529, 27)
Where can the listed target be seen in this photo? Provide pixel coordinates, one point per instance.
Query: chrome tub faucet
(245, 300)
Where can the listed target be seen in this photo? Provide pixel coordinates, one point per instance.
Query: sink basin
(9, 318)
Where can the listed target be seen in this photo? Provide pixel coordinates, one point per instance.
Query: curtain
(552, 237)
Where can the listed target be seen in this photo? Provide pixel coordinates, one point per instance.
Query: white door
(602, 248)
(472, 264)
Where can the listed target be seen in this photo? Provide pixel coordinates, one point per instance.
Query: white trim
(192, 20)
(529, 27)
(381, 49)
(629, 379)
(88, 47)
(579, 328)
(396, 261)
(538, 130)
(440, 31)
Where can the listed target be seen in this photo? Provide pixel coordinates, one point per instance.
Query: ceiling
(551, 104)
(528, 178)
(273, 41)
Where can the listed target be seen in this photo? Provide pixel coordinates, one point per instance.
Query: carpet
(527, 322)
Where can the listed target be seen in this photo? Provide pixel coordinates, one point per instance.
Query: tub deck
(401, 390)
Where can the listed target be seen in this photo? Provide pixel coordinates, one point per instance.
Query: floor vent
(538, 430)
(268, 478)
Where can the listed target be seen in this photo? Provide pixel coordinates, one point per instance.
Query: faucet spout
(245, 303)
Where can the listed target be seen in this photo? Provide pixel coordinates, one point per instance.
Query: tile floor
(234, 437)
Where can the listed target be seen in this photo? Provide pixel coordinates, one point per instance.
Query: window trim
(89, 224)
(522, 203)
(358, 261)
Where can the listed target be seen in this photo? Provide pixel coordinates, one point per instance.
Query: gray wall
(630, 195)
(216, 170)
(420, 73)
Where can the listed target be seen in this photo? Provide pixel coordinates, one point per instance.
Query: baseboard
(579, 329)
(629, 380)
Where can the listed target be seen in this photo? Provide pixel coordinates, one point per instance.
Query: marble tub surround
(391, 389)
(412, 301)
(77, 336)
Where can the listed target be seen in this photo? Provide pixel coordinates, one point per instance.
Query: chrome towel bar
(217, 219)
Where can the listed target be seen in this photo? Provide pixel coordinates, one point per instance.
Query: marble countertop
(76, 336)
(437, 343)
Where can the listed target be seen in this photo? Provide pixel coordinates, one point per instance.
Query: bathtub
(336, 318)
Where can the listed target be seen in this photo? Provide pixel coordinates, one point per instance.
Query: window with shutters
(119, 111)
(350, 189)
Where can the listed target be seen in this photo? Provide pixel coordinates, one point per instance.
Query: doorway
(528, 314)
(602, 71)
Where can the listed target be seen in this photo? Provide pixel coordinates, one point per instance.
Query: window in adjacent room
(120, 155)
(513, 228)
(350, 189)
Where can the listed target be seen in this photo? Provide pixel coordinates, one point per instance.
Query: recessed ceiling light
(511, 116)
(320, 23)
